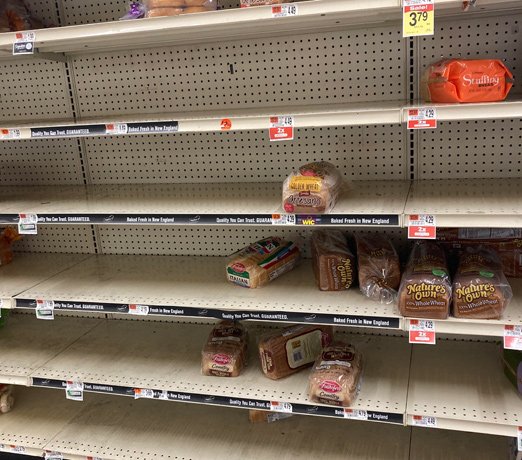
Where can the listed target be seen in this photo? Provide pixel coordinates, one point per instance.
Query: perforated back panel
(77, 239)
(46, 11)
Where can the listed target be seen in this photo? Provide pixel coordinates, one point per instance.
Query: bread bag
(264, 416)
(480, 289)
(425, 290)
(288, 351)
(332, 260)
(379, 268)
(159, 8)
(313, 189)
(262, 262)
(335, 375)
(7, 238)
(225, 352)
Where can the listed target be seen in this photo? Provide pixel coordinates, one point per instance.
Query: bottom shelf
(114, 428)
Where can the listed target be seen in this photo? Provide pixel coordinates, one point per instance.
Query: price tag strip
(422, 118)
(10, 133)
(281, 128)
(422, 420)
(139, 310)
(422, 331)
(74, 390)
(284, 407)
(24, 43)
(45, 309)
(519, 439)
(143, 393)
(355, 414)
(53, 456)
(283, 219)
(513, 337)
(287, 9)
(418, 18)
(27, 224)
(422, 227)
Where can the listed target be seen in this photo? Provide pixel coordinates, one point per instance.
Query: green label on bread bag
(438, 272)
(237, 274)
(486, 274)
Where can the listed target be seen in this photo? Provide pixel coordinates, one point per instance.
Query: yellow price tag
(418, 17)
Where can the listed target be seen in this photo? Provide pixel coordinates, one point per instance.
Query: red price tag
(422, 118)
(281, 128)
(422, 227)
(513, 337)
(422, 331)
(422, 420)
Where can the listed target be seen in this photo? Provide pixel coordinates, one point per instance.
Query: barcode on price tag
(422, 118)
(24, 43)
(44, 309)
(422, 227)
(74, 390)
(418, 17)
(513, 337)
(143, 393)
(422, 331)
(140, 310)
(281, 128)
(288, 9)
(10, 133)
(422, 420)
(27, 224)
(116, 128)
(355, 414)
(283, 219)
(284, 407)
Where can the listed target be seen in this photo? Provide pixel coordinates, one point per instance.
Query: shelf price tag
(45, 309)
(422, 227)
(145, 393)
(140, 310)
(281, 128)
(422, 420)
(284, 407)
(10, 133)
(24, 43)
(12, 448)
(116, 128)
(287, 9)
(422, 118)
(418, 18)
(355, 414)
(519, 439)
(74, 390)
(513, 337)
(53, 456)
(27, 224)
(422, 331)
(283, 219)
(93, 458)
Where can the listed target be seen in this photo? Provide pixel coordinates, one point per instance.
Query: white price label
(53, 456)
(287, 9)
(140, 310)
(27, 224)
(143, 393)
(283, 219)
(44, 309)
(24, 43)
(93, 458)
(422, 331)
(10, 133)
(355, 414)
(418, 17)
(281, 128)
(422, 118)
(116, 128)
(519, 439)
(422, 420)
(513, 337)
(74, 390)
(12, 448)
(284, 407)
(422, 227)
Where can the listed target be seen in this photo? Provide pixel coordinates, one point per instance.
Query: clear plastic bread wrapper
(7, 237)
(264, 416)
(425, 290)
(6, 398)
(225, 352)
(480, 288)
(378, 267)
(161, 8)
(335, 375)
(312, 189)
(262, 262)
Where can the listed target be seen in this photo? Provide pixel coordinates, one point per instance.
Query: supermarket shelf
(362, 204)
(171, 286)
(228, 24)
(463, 386)
(468, 202)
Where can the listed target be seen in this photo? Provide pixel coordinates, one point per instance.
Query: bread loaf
(262, 262)
(333, 262)
(153, 4)
(7, 238)
(248, 3)
(480, 289)
(196, 9)
(314, 189)
(160, 12)
(225, 353)
(335, 375)
(425, 290)
(264, 416)
(379, 268)
(288, 351)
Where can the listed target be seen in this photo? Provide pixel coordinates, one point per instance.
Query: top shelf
(316, 15)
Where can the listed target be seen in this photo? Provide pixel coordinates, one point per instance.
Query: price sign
(513, 337)
(24, 43)
(284, 407)
(93, 458)
(418, 18)
(74, 390)
(283, 219)
(140, 310)
(27, 224)
(355, 414)
(53, 456)
(288, 9)
(281, 128)
(422, 118)
(422, 227)
(14, 449)
(143, 393)
(519, 439)
(225, 124)
(421, 420)
(116, 128)
(45, 309)
(10, 133)
(422, 331)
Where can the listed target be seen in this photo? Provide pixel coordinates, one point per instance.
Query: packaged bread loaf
(288, 351)
(335, 375)
(379, 268)
(7, 238)
(425, 290)
(333, 262)
(467, 80)
(158, 8)
(480, 289)
(262, 262)
(313, 189)
(225, 353)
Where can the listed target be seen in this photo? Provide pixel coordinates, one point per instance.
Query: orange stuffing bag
(467, 80)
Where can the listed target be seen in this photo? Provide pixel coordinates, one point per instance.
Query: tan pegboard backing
(40, 162)
(33, 89)
(361, 152)
(77, 239)
(335, 67)
(46, 11)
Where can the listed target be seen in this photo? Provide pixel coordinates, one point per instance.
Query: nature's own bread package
(225, 353)
(466, 80)
(507, 243)
(425, 290)
(335, 375)
(480, 289)
(287, 351)
(262, 262)
(379, 268)
(332, 260)
(313, 189)
(264, 416)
